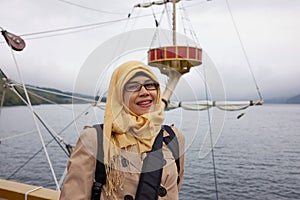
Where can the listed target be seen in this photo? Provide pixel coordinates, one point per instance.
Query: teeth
(144, 102)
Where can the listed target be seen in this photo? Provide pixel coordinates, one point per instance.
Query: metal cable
(35, 120)
(211, 138)
(244, 52)
(91, 9)
(62, 94)
(34, 155)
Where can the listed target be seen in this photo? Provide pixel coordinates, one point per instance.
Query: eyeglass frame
(156, 85)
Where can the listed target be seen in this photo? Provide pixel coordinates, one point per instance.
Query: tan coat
(82, 164)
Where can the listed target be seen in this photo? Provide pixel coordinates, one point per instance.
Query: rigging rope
(168, 16)
(45, 99)
(211, 138)
(90, 26)
(244, 51)
(183, 24)
(155, 36)
(86, 26)
(35, 119)
(62, 94)
(208, 113)
(12, 83)
(83, 26)
(154, 16)
(56, 137)
(191, 28)
(34, 155)
(66, 33)
(91, 9)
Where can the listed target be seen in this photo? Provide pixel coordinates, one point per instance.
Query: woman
(133, 119)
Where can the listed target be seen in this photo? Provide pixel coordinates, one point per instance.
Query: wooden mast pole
(173, 75)
(174, 22)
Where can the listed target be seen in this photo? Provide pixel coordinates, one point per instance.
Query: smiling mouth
(144, 103)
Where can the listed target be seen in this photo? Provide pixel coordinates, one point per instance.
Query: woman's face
(140, 101)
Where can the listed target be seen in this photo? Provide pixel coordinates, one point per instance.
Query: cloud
(268, 30)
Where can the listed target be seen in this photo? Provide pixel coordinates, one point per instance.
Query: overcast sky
(269, 31)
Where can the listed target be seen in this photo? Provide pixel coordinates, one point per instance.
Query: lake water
(256, 156)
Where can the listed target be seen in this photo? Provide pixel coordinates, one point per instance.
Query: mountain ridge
(11, 99)
(37, 95)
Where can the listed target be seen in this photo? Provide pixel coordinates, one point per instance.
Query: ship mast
(173, 75)
(172, 60)
(174, 22)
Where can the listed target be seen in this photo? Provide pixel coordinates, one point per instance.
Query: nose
(143, 91)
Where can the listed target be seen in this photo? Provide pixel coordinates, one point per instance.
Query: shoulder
(88, 133)
(88, 138)
(177, 132)
(180, 137)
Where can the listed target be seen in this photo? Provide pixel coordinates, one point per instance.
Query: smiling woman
(142, 158)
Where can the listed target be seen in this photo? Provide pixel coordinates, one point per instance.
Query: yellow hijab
(122, 127)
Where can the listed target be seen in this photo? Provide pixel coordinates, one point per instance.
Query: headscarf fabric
(124, 128)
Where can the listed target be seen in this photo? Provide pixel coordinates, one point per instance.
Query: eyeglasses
(136, 87)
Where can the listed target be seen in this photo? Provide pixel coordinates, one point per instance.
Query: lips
(144, 103)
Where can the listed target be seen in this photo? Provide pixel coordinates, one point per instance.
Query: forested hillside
(11, 99)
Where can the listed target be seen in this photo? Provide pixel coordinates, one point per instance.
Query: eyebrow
(148, 80)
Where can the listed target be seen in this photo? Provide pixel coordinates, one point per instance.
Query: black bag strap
(100, 173)
(150, 177)
(172, 142)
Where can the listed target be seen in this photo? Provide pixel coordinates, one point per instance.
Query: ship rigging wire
(80, 28)
(34, 118)
(244, 51)
(48, 143)
(93, 26)
(62, 94)
(91, 9)
(210, 137)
